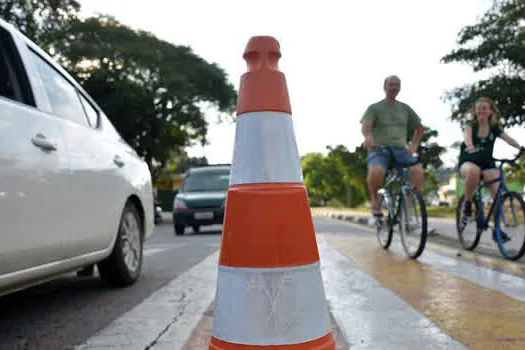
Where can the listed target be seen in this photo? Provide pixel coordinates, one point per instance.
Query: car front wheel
(124, 265)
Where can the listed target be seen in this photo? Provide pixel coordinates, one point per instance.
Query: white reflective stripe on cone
(270, 306)
(265, 149)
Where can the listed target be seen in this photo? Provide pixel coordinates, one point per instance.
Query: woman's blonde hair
(495, 116)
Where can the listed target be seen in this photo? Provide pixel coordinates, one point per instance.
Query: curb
(358, 218)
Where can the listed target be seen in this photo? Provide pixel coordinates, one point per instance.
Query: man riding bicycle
(388, 123)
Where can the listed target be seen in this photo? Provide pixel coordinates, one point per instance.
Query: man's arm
(419, 130)
(367, 123)
(366, 128)
(416, 138)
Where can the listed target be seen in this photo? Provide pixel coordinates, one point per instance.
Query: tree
(430, 152)
(353, 172)
(430, 155)
(340, 176)
(153, 91)
(496, 44)
(516, 173)
(40, 20)
(180, 163)
(319, 177)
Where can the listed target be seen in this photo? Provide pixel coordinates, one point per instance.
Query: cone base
(324, 343)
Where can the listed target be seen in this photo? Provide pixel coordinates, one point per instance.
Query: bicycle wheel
(413, 222)
(469, 234)
(511, 218)
(384, 226)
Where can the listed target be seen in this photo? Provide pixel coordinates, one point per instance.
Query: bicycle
(497, 208)
(398, 185)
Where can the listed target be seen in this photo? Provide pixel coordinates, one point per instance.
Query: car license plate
(203, 215)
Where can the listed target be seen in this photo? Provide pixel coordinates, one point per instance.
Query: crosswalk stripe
(379, 299)
(153, 251)
(476, 316)
(371, 316)
(510, 285)
(167, 317)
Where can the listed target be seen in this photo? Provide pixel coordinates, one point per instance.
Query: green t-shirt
(483, 146)
(391, 122)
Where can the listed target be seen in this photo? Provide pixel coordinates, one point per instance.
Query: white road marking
(502, 282)
(165, 318)
(150, 250)
(371, 316)
(153, 251)
(368, 314)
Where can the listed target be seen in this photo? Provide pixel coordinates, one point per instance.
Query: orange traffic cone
(270, 293)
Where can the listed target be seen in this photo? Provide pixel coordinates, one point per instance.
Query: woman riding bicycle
(475, 158)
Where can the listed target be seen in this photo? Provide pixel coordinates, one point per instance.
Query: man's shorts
(381, 157)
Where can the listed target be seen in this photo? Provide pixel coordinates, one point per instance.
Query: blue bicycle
(508, 208)
(401, 204)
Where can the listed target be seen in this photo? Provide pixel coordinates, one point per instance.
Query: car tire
(115, 270)
(196, 228)
(179, 229)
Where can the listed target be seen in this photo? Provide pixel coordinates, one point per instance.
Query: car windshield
(206, 181)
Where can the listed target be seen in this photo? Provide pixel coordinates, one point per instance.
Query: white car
(73, 194)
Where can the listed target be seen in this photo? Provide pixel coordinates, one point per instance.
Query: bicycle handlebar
(511, 161)
(393, 157)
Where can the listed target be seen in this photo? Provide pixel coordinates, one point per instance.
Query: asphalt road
(64, 313)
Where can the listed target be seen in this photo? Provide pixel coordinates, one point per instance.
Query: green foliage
(516, 173)
(40, 20)
(351, 167)
(430, 152)
(339, 177)
(319, 177)
(181, 163)
(153, 91)
(496, 43)
(430, 155)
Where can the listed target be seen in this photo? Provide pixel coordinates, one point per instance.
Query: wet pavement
(378, 299)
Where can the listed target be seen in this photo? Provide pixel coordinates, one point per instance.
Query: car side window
(62, 94)
(91, 112)
(14, 84)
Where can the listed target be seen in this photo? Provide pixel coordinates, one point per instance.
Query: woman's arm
(467, 136)
(509, 140)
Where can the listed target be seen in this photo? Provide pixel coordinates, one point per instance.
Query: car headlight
(179, 204)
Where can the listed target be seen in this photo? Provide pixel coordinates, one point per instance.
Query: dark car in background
(201, 197)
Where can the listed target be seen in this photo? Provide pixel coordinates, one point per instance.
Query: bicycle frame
(399, 195)
(495, 207)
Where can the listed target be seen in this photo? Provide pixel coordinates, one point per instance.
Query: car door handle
(117, 160)
(42, 142)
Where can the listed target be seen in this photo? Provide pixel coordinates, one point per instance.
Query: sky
(335, 56)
